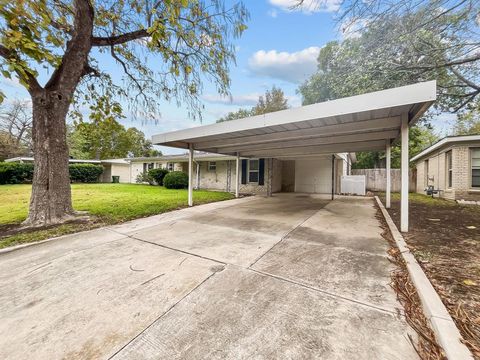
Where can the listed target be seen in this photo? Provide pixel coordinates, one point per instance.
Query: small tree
(273, 100)
(189, 40)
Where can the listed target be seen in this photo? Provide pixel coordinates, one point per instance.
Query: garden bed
(445, 238)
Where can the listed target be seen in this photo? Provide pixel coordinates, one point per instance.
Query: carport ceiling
(358, 123)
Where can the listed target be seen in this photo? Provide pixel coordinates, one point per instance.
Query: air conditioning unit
(353, 184)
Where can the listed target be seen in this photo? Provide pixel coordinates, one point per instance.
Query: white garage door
(314, 175)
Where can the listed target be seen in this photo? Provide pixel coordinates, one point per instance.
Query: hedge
(85, 173)
(158, 175)
(19, 173)
(15, 173)
(175, 180)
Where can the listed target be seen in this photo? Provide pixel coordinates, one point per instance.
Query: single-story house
(71, 161)
(119, 167)
(257, 175)
(452, 166)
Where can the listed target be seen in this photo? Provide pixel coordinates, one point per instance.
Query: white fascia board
(405, 95)
(445, 141)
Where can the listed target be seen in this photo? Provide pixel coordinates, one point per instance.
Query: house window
(147, 166)
(212, 166)
(425, 167)
(253, 171)
(448, 162)
(475, 161)
(170, 166)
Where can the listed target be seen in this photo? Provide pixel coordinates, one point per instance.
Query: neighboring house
(119, 167)
(452, 166)
(72, 161)
(257, 176)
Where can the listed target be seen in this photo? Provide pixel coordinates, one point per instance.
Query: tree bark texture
(51, 201)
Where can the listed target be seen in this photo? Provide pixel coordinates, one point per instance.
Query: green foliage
(158, 175)
(18, 173)
(191, 40)
(420, 137)
(176, 180)
(15, 173)
(468, 122)
(143, 178)
(274, 100)
(103, 137)
(85, 173)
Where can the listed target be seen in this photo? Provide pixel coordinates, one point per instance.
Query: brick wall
(461, 173)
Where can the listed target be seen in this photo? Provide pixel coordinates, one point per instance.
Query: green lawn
(109, 203)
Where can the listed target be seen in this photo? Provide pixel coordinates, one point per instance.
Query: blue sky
(279, 48)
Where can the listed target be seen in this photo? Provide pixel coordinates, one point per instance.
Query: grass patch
(109, 203)
(420, 199)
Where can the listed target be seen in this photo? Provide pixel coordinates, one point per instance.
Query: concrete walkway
(292, 276)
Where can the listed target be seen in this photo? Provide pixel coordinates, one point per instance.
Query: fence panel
(376, 179)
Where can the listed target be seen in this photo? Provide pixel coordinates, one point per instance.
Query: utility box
(115, 179)
(353, 184)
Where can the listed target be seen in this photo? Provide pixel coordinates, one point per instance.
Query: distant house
(72, 161)
(319, 174)
(452, 166)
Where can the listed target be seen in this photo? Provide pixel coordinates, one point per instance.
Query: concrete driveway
(288, 277)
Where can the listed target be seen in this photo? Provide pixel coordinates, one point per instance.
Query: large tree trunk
(51, 201)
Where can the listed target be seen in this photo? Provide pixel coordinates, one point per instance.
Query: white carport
(365, 122)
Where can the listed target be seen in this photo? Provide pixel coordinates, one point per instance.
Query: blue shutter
(261, 172)
(244, 171)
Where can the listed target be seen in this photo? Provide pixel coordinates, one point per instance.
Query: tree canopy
(390, 43)
(273, 100)
(188, 41)
(165, 50)
(103, 137)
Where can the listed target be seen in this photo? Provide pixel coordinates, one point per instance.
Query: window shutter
(244, 171)
(261, 172)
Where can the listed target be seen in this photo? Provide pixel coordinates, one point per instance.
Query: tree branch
(68, 74)
(119, 39)
(25, 76)
(465, 80)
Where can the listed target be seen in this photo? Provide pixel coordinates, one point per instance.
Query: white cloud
(272, 13)
(239, 100)
(293, 67)
(308, 6)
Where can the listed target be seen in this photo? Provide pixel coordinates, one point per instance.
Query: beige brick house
(452, 166)
(257, 175)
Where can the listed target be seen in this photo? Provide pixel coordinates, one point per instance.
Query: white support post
(404, 172)
(190, 175)
(237, 175)
(388, 191)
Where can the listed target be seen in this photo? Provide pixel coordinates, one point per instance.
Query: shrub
(15, 173)
(158, 175)
(175, 180)
(85, 173)
(144, 177)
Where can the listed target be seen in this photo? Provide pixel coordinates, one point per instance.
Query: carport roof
(358, 123)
